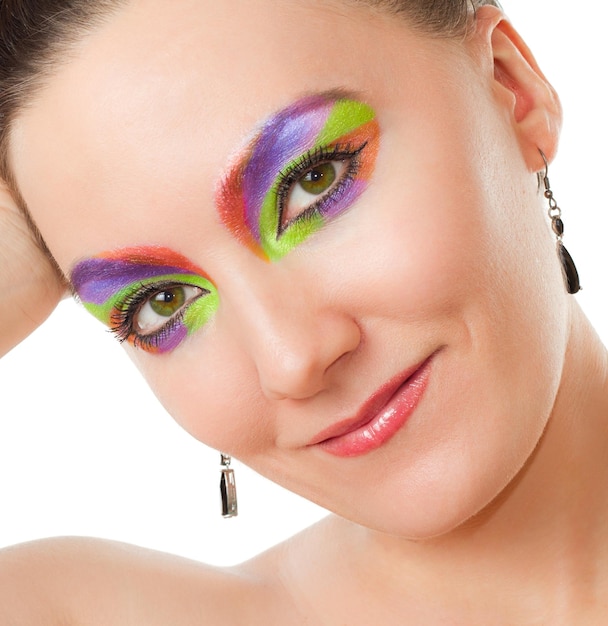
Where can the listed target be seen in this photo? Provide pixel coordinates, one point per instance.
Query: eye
(311, 187)
(157, 317)
(163, 305)
(315, 181)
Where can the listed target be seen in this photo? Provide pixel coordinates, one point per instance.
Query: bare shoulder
(90, 582)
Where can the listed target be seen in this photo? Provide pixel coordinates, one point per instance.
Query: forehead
(151, 106)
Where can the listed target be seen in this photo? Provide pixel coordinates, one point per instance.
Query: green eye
(313, 185)
(318, 179)
(167, 303)
(164, 304)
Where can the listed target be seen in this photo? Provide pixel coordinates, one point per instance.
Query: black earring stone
(569, 269)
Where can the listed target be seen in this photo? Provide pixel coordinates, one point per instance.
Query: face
(317, 236)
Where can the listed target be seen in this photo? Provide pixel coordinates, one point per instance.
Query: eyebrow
(98, 278)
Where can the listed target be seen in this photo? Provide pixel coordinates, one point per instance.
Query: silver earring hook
(542, 154)
(545, 177)
(554, 212)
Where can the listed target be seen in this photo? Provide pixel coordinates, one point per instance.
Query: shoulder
(90, 582)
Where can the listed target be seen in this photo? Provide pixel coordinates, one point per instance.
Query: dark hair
(37, 35)
(446, 18)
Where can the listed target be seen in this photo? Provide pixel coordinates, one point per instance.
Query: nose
(295, 337)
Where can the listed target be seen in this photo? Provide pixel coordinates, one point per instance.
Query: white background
(85, 449)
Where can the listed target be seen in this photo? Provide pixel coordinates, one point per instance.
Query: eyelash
(122, 318)
(290, 176)
(123, 315)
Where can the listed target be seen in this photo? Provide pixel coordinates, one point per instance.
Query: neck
(547, 531)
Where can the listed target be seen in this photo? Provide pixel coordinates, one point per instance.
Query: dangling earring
(228, 488)
(570, 272)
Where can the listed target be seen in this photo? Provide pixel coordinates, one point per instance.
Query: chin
(432, 511)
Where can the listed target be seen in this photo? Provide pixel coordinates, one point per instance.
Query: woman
(352, 255)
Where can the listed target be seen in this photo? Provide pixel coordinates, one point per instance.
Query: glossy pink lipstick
(380, 418)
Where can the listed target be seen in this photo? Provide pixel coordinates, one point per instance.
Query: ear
(530, 101)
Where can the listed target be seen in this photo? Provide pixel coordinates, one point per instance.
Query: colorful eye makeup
(151, 297)
(307, 165)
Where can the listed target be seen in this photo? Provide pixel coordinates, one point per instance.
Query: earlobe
(531, 102)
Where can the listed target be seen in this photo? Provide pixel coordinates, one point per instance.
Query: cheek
(419, 254)
(444, 266)
(450, 262)
(435, 236)
(208, 389)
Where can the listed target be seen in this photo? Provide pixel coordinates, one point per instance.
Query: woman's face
(318, 234)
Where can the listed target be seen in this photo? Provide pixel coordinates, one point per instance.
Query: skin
(31, 286)
(484, 487)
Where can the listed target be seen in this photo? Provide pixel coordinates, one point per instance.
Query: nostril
(295, 380)
(298, 365)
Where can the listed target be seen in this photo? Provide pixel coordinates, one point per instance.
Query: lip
(380, 418)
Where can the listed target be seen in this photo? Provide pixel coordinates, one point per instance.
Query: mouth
(380, 418)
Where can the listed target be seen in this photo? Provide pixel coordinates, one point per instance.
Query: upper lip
(369, 409)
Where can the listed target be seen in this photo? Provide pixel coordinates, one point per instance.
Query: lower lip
(385, 424)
